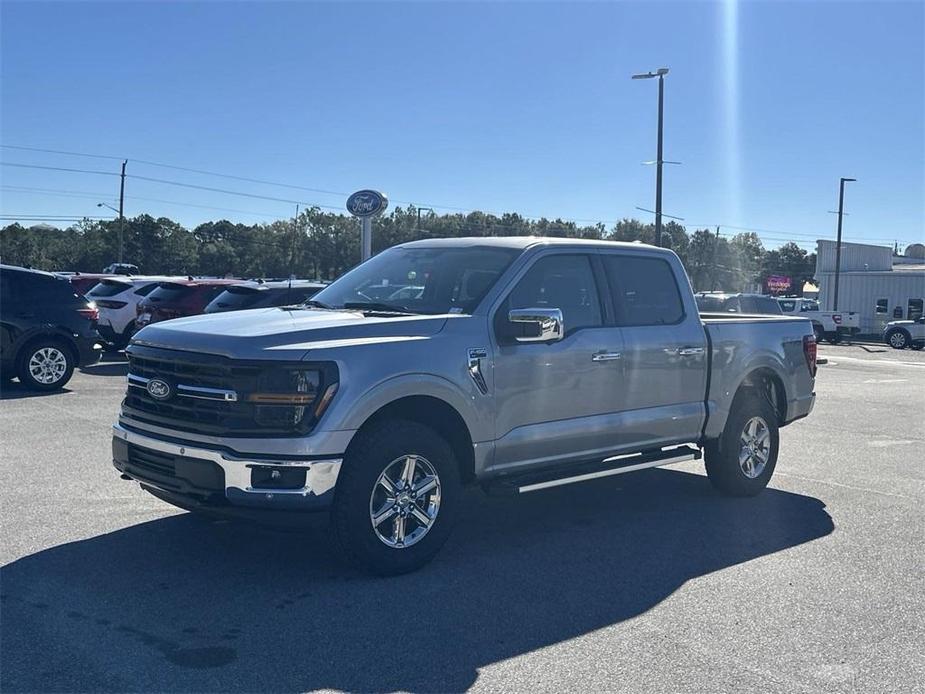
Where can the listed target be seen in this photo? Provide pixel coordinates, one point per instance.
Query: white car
(900, 334)
(116, 298)
(829, 325)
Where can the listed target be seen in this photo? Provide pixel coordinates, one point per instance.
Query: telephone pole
(841, 207)
(660, 73)
(121, 209)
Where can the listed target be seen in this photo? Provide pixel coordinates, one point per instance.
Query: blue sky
(520, 107)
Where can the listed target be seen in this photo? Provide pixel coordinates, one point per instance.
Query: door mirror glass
(536, 324)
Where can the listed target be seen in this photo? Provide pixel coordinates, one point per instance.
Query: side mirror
(538, 324)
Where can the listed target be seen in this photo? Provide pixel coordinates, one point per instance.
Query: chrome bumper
(320, 475)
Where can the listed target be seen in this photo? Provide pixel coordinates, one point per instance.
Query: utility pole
(841, 208)
(121, 209)
(660, 73)
(421, 209)
(713, 278)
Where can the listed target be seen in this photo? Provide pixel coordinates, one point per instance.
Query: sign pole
(366, 237)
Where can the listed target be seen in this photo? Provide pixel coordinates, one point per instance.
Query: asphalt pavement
(648, 582)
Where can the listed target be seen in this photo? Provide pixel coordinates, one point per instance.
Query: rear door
(664, 350)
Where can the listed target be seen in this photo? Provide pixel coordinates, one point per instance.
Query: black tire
(897, 338)
(722, 456)
(833, 338)
(374, 451)
(58, 353)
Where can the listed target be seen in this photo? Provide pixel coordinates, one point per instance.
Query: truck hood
(278, 333)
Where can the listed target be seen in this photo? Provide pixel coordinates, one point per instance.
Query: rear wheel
(396, 498)
(898, 338)
(46, 365)
(742, 460)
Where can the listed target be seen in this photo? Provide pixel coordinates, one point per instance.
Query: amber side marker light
(326, 399)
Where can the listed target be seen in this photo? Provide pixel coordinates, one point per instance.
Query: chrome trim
(476, 354)
(549, 321)
(604, 473)
(320, 475)
(690, 351)
(606, 356)
(220, 394)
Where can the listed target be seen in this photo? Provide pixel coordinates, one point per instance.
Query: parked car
(900, 334)
(178, 298)
(121, 269)
(261, 294)
(827, 325)
(721, 302)
(83, 282)
(117, 299)
(46, 329)
(524, 363)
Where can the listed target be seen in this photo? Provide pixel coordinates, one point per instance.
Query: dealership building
(876, 284)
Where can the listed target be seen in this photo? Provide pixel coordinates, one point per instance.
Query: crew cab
(518, 364)
(827, 325)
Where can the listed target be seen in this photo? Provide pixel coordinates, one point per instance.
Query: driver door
(553, 398)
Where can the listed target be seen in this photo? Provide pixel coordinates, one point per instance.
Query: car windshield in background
(235, 299)
(169, 292)
(420, 280)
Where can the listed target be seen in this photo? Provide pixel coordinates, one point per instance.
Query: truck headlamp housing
(288, 397)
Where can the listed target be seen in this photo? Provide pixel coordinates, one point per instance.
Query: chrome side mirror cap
(541, 324)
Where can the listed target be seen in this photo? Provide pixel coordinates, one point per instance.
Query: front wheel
(46, 365)
(396, 498)
(742, 461)
(898, 339)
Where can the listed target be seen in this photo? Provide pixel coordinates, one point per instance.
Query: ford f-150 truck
(514, 363)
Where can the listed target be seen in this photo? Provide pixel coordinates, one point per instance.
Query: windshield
(234, 298)
(420, 280)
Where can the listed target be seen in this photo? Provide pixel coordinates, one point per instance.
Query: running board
(534, 481)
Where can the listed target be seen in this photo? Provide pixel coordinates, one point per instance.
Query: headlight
(287, 387)
(293, 397)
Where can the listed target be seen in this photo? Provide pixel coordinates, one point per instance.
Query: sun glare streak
(731, 147)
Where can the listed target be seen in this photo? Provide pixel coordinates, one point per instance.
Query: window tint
(748, 304)
(565, 282)
(915, 309)
(108, 288)
(883, 306)
(709, 304)
(168, 291)
(146, 289)
(645, 291)
(770, 306)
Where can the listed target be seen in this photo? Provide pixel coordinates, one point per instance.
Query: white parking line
(833, 361)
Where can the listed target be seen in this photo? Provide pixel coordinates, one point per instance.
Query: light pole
(118, 212)
(660, 73)
(841, 207)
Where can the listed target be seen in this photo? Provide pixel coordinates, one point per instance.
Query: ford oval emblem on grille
(158, 389)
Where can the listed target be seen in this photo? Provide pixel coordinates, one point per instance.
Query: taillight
(106, 303)
(90, 313)
(809, 351)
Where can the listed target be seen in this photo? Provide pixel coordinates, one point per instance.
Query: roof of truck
(524, 242)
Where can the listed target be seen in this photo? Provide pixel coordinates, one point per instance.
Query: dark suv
(46, 329)
(263, 294)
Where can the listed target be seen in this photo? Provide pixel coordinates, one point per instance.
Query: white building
(873, 282)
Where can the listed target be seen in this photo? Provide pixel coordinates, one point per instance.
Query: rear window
(235, 299)
(711, 304)
(644, 290)
(169, 292)
(146, 289)
(769, 306)
(108, 288)
(29, 287)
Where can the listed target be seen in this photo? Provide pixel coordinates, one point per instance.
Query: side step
(534, 481)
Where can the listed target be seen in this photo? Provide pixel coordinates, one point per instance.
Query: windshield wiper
(377, 307)
(314, 303)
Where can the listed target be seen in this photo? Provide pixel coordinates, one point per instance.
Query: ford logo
(367, 203)
(158, 389)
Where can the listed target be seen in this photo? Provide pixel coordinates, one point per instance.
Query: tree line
(323, 245)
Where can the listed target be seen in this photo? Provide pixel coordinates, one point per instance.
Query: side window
(146, 289)
(645, 291)
(915, 309)
(883, 306)
(565, 282)
(788, 306)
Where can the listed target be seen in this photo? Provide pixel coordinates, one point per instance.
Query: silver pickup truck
(514, 363)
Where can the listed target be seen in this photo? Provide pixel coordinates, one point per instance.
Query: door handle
(605, 356)
(690, 351)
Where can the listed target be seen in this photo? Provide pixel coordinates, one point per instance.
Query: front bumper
(209, 477)
(89, 350)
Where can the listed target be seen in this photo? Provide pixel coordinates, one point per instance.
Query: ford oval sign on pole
(366, 204)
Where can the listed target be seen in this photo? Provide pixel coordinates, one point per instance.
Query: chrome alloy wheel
(405, 501)
(897, 340)
(755, 447)
(47, 365)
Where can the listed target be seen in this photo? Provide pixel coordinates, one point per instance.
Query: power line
(57, 168)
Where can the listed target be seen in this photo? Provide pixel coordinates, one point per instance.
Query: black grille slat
(174, 473)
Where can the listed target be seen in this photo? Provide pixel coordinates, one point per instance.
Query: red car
(83, 282)
(179, 298)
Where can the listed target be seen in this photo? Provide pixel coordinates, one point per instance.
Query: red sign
(777, 284)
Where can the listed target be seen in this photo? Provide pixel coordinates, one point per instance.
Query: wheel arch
(47, 334)
(770, 385)
(437, 414)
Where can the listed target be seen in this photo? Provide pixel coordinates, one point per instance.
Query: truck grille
(169, 472)
(205, 394)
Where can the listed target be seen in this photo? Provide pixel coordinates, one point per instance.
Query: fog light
(277, 477)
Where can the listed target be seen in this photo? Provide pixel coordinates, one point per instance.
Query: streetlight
(660, 73)
(841, 206)
(121, 223)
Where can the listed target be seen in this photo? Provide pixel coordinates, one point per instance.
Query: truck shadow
(184, 604)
